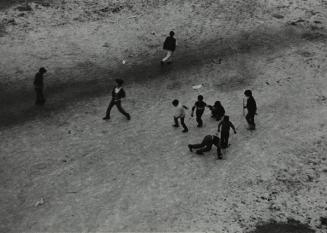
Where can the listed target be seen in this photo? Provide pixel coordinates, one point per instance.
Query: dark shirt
(251, 105)
(170, 44)
(117, 96)
(199, 105)
(38, 80)
(210, 140)
(225, 126)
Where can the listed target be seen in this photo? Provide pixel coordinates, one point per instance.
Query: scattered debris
(278, 16)
(106, 45)
(297, 22)
(267, 83)
(196, 87)
(317, 22)
(40, 202)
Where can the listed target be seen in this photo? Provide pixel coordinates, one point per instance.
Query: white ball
(124, 61)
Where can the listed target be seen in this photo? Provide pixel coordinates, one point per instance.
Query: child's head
(226, 118)
(42, 70)
(171, 33)
(217, 103)
(200, 97)
(248, 93)
(119, 82)
(175, 102)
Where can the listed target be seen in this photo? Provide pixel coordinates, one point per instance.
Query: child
(117, 94)
(217, 111)
(38, 86)
(251, 106)
(206, 145)
(169, 46)
(199, 106)
(225, 126)
(179, 114)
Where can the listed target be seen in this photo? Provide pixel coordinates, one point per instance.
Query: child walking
(117, 94)
(179, 114)
(169, 46)
(199, 106)
(225, 126)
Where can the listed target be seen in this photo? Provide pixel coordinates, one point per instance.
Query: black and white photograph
(163, 116)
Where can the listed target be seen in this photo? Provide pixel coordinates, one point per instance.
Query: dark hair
(226, 118)
(248, 93)
(171, 33)
(175, 102)
(200, 97)
(119, 81)
(42, 70)
(217, 103)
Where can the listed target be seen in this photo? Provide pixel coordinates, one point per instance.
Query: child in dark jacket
(225, 126)
(169, 46)
(117, 94)
(251, 106)
(206, 145)
(217, 111)
(199, 106)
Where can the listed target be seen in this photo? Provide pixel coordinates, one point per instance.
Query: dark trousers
(182, 122)
(118, 105)
(204, 146)
(199, 114)
(250, 119)
(224, 136)
(40, 100)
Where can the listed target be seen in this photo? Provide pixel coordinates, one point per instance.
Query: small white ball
(124, 61)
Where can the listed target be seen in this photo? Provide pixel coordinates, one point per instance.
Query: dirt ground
(64, 169)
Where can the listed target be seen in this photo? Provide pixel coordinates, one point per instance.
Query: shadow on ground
(17, 104)
(291, 226)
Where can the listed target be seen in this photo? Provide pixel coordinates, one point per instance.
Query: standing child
(199, 106)
(39, 86)
(169, 46)
(225, 126)
(117, 94)
(251, 106)
(179, 114)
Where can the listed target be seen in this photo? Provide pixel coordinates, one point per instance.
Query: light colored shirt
(117, 89)
(180, 111)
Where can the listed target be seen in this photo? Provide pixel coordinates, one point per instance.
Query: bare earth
(63, 169)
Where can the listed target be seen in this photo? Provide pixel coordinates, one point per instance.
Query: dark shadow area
(17, 105)
(291, 226)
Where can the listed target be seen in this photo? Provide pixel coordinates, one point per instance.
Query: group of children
(217, 110)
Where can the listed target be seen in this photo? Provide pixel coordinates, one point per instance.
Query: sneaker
(185, 131)
(190, 147)
(219, 157)
(128, 117)
(162, 63)
(169, 63)
(199, 126)
(106, 118)
(175, 126)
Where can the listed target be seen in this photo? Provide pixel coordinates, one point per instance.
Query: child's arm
(231, 125)
(219, 125)
(193, 108)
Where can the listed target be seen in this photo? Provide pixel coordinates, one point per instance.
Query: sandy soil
(138, 175)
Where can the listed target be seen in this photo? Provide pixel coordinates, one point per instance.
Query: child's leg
(183, 124)
(169, 53)
(176, 122)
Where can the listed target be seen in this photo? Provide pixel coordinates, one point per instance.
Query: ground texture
(64, 169)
